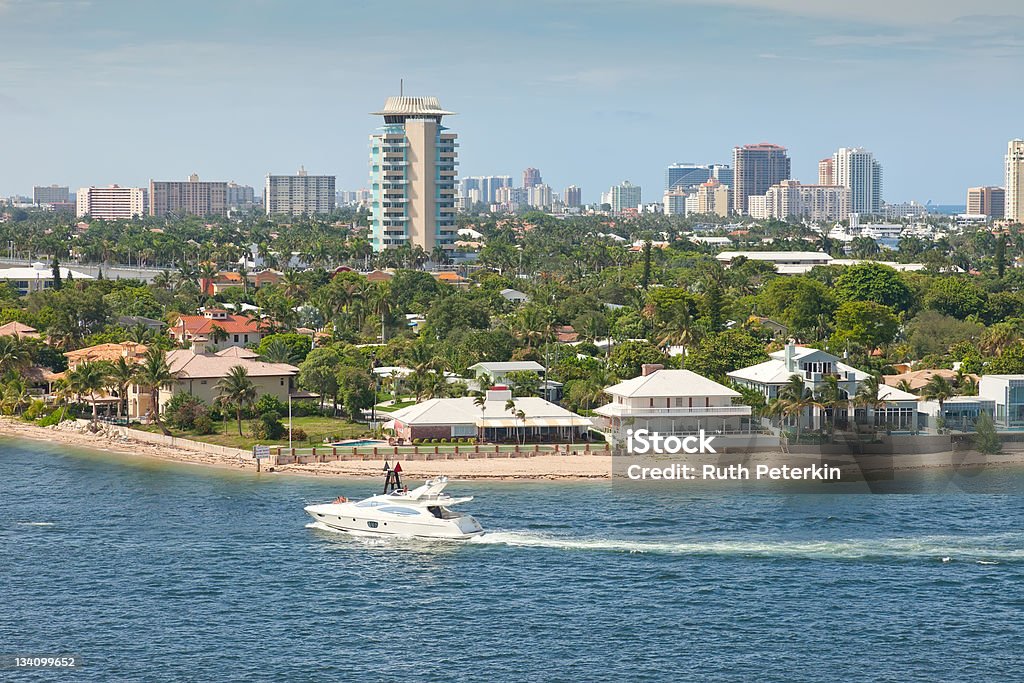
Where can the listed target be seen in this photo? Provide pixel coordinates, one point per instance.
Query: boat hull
(348, 518)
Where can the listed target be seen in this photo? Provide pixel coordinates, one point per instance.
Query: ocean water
(154, 572)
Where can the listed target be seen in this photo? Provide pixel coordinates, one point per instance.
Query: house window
(236, 338)
(651, 404)
(282, 382)
(202, 381)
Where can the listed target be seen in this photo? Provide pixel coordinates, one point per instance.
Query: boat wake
(36, 524)
(983, 550)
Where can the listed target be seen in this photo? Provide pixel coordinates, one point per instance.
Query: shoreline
(537, 468)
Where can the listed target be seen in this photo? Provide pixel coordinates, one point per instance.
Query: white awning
(512, 423)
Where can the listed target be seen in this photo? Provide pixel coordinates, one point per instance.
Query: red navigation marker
(398, 467)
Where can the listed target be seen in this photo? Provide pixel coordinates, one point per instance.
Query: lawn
(316, 428)
(396, 406)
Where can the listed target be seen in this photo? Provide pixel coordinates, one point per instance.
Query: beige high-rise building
(986, 201)
(412, 176)
(111, 203)
(188, 197)
(790, 199)
(299, 194)
(714, 198)
(1015, 181)
(826, 176)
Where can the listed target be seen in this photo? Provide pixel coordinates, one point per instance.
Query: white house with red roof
(217, 328)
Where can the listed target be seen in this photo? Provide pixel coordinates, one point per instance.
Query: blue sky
(590, 91)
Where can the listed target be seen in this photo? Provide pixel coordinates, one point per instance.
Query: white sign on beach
(260, 452)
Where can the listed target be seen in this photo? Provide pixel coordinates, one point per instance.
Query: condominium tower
(412, 176)
(986, 201)
(531, 177)
(111, 203)
(1015, 181)
(573, 196)
(52, 194)
(298, 194)
(187, 197)
(624, 196)
(857, 169)
(755, 169)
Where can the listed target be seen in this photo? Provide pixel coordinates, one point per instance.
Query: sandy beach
(551, 467)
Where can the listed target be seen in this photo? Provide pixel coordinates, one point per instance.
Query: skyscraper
(412, 176)
(573, 196)
(986, 201)
(624, 196)
(682, 176)
(298, 194)
(187, 197)
(825, 174)
(240, 196)
(755, 169)
(1015, 181)
(531, 177)
(857, 169)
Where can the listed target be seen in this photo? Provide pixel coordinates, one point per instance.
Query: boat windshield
(442, 512)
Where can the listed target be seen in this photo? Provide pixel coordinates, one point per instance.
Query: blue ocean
(152, 571)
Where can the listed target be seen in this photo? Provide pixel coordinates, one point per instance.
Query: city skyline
(125, 89)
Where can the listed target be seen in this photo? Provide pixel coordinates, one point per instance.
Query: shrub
(268, 427)
(35, 409)
(203, 424)
(298, 434)
(183, 410)
(268, 403)
(56, 416)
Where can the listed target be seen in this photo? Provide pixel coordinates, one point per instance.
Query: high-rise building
(573, 196)
(755, 169)
(691, 175)
(857, 169)
(111, 203)
(986, 201)
(240, 196)
(531, 177)
(790, 199)
(188, 197)
(52, 194)
(541, 196)
(412, 176)
(723, 173)
(1015, 181)
(512, 198)
(298, 194)
(825, 174)
(486, 185)
(713, 197)
(624, 196)
(674, 202)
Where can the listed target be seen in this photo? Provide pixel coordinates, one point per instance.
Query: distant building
(483, 189)
(512, 198)
(298, 194)
(825, 172)
(412, 176)
(713, 197)
(37, 277)
(51, 194)
(682, 176)
(756, 168)
(192, 196)
(909, 209)
(987, 201)
(573, 196)
(541, 196)
(240, 196)
(815, 202)
(216, 328)
(857, 169)
(674, 202)
(624, 196)
(531, 177)
(1015, 181)
(111, 203)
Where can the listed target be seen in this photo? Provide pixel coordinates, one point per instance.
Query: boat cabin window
(372, 525)
(442, 512)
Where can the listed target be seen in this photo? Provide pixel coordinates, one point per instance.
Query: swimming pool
(360, 442)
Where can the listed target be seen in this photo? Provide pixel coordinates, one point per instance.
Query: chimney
(650, 368)
(790, 347)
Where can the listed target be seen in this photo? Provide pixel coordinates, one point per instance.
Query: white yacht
(423, 512)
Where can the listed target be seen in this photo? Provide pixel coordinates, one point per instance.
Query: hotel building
(299, 194)
(187, 197)
(111, 203)
(986, 201)
(755, 169)
(412, 176)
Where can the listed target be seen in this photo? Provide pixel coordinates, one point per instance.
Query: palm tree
(510, 407)
(904, 385)
(868, 395)
(16, 396)
(277, 351)
(236, 390)
(833, 398)
(88, 379)
(481, 403)
(122, 374)
(218, 334)
(152, 375)
(938, 389)
(794, 398)
(13, 355)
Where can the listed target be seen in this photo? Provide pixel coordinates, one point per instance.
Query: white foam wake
(36, 523)
(980, 549)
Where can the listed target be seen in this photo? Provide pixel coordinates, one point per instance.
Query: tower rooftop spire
(412, 106)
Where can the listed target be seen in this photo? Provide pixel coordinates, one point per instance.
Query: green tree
(122, 374)
(955, 296)
(524, 383)
(89, 379)
(864, 325)
(874, 282)
(236, 390)
(626, 359)
(717, 354)
(986, 440)
(154, 374)
(318, 373)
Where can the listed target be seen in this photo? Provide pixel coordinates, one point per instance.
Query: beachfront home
(959, 413)
(672, 402)
(445, 418)
(1007, 394)
(488, 373)
(197, 374)
(130, 351)
(917, 379)
(217, 328)
(37, 277)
